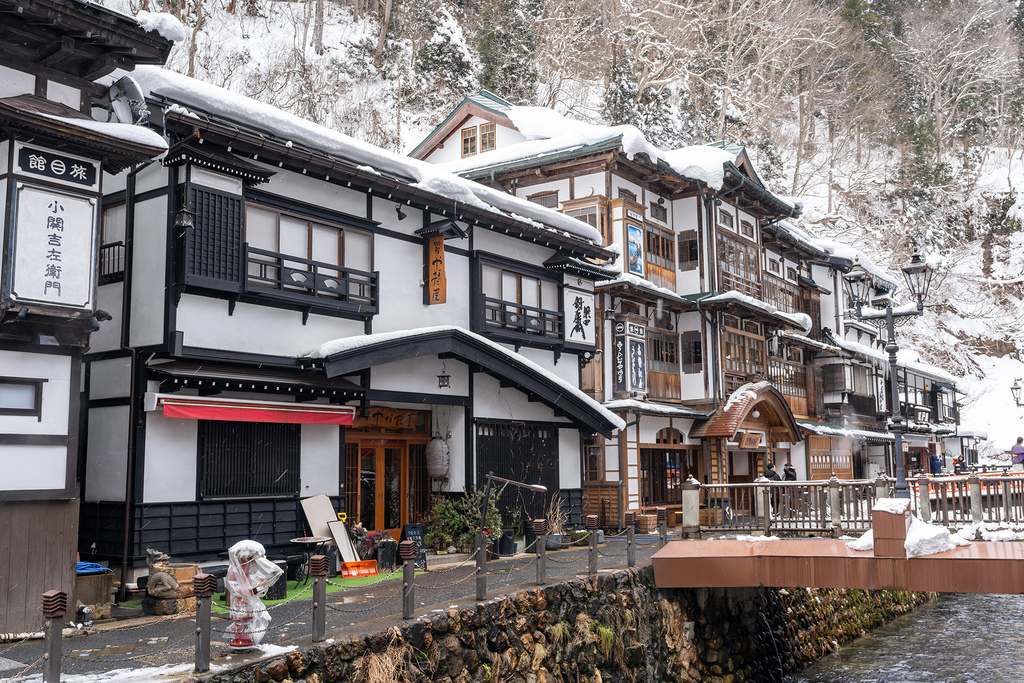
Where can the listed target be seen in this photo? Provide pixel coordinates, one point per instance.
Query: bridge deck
(982, 567)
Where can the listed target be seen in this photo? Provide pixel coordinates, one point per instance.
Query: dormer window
(548, 199)
(725, 219)
(486, 137)
(469, 141)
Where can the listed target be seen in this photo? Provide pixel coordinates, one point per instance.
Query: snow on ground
(168, 672)
(989, 405)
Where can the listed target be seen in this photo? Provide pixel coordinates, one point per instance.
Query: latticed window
(781, 294)
(662, 352)
(659, 212)
(739, 266)
(659, 251)
(486, 137)
(469, 141)
(214, 244)
(691, 352)
(548, 199)
(244, 459)
(744, 353)
(688, 250)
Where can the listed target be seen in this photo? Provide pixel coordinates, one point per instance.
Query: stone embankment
(606, 628)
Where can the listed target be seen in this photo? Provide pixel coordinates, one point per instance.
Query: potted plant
(512, 529)
(557, 518)
(443, 524)
(372, 548)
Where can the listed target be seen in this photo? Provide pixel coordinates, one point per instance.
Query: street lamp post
(1015, 390)
(481, 554)
(858, 282)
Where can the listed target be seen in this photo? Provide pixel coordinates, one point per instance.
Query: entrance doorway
(385, 483)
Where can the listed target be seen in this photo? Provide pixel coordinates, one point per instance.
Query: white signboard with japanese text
(629, 353)
(54, 256)
(56, 167)
(580, 322)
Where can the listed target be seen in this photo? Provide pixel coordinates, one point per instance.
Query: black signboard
(56, 166)
(414, 533)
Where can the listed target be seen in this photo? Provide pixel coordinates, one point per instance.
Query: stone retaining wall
(613, 627)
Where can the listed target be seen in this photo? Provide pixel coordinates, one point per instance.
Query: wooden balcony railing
(111, 263)
(303, 280)
(516, 320)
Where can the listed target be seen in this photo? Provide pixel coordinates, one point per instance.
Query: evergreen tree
(506, 43)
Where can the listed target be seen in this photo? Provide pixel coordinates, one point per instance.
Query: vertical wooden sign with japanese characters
(580, 321)
(437, 282)
(53, 254)
(629, 358)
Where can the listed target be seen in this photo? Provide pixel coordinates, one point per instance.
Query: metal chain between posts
(214, 603)
(384, 578)
(615, 554)
(25, 670)
(383, 600)
(149, 653)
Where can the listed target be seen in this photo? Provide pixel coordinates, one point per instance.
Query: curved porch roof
(726, 421)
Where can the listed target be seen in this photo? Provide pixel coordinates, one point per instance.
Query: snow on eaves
(882, 358)
(357, 342)
(138, 135)
(882, 279)
(548, 132)
(800, 320)
(269, 119)
(165, 25)
(642, 283)
(653, 408)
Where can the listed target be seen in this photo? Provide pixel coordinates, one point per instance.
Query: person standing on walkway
(936, 464)
(1017, 455)
(788, 472)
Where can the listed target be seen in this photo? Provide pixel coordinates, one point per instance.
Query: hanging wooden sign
(390, 418)
(750, 439)
(437, 282)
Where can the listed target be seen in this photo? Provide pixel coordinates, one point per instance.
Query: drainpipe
(494, 179)
(622, 471)
(129, 479)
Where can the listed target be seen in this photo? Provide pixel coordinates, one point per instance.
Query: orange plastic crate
(360, 568)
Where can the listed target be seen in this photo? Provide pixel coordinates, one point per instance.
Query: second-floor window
(738, 262)
(469, 141)
(520, 302)
(111, 256)
(781, 294)
(659, 249)
(294, 254)
(725, 219)
(747, 229)
(691, 353)
(688, 250)
(659, 212)
(744, 356)
(548, 199)
(662, 352)
(486, 137)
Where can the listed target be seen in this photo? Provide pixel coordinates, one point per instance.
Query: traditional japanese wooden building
(53, 159)
(298, 313)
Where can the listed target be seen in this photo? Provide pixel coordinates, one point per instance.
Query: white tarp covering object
(250, 575)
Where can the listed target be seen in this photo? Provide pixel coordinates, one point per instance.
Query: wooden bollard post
(540, 527)
(974, 484)
(592, 532)
(662, 527)
(630, 519)
(55, 606)
(203, 587)
(318, 568)
(690, 508)
(407, 551)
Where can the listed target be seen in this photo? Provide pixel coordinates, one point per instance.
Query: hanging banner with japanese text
(629, 346)
(580, 325)
(437, 281)
(54, 254)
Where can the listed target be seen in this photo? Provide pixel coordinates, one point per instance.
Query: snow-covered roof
(642, 283)
(800, 339)
(165, 25)
(799, 320)
(272, 121)
(348, 344)
(905, 358)
(971, 433)
(653, 408)
(881, 278)
(140, 135)
(825, 429)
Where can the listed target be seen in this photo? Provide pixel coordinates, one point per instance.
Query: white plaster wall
(688, 281)
(320, 460)
(152, 177)
(108, 338)
(510, 247)
(570, 475)
(611, 460)
(452, 151)
(205, 323)
(13, 82)
(420, 375)
(457, 446)
(798, 456)
(492, 401)
(618, 181)
(33, 467)
(401, 292)
(110, 378)
(114, 183)
(652, 424)
(588, 185)
(171, 459)
(64, 94)
(106, 454)
(566, 369)
(56, 370)
(304, 188)
(148, 263)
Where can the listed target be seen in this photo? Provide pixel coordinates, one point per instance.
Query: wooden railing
(834, 507)
(519, 319)
(111, 263)
(299, 279)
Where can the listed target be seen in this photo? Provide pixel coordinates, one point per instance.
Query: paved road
(154, 641)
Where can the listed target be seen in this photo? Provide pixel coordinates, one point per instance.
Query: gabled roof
(484, 104)
(727, 419)
(352, 354)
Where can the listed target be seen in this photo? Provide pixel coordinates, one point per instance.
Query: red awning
(195, 408)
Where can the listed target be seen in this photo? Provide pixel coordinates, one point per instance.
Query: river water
(962, 638)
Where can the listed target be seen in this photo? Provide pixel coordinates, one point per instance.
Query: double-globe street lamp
(859, 284)
(481, 554)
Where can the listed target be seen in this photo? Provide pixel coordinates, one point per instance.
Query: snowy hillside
(897, 123)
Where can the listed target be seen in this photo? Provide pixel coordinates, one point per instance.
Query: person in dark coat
(788, 472)
(770, 473)
(936, 464)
